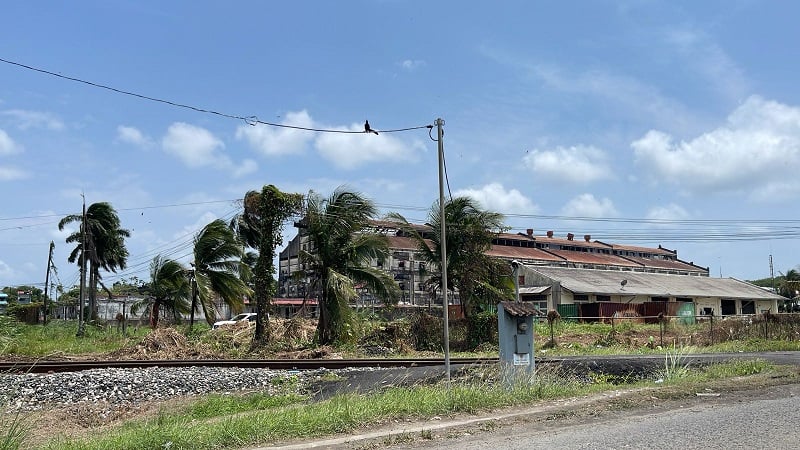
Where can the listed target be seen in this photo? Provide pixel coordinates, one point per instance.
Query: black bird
(368, 129)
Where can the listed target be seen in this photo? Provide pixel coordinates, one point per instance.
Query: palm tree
(168, 290)
(105, 245)
(790, 288)
(340, 255)
(217, 266)
(469, 234)
(259, 227)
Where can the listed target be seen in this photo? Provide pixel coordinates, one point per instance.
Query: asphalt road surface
(769, 421)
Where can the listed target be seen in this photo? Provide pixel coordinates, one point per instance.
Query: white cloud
(585, 205)
(576, 164)
(273, 141)
(248, 166)
(412, 64)
(198, 147)
(756, 151)
(625, 93)
(709, 60)
(34, 119)
(350, 151)
(7, 145)
(343, 150)
(494, 197)
(668, 212)
(11, 174)
(5, 270)
(133, 136)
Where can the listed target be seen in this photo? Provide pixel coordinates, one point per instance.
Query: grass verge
(235, 422)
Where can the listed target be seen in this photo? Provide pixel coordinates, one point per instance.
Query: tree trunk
(154, 313)
(324, 325)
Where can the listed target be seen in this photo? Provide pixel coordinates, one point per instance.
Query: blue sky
(638, 122)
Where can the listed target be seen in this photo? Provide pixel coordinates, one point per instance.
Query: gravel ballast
(123, 388)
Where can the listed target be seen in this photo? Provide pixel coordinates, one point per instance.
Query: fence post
(661, 327)
(712, 329)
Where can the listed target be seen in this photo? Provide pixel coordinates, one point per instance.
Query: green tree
(217, 266)
(168, 291)
(105, 245)
(469, 233)
(260, 227)
(341, 252)
(790, 288)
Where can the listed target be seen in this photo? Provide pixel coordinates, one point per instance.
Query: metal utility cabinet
(515, 330)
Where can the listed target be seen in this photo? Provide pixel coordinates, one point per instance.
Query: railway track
(46, 366)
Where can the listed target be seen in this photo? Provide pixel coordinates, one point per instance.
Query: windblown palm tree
(259, 227)
(169, 290)
(469, 234)
(341, 253)
(217, 266)
(105, 245)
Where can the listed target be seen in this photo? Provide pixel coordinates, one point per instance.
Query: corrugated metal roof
(575, 241)
(533, 289)
(594, 258)
(652, 284)
(521, 253)
(520, 309)
(635, 248)
(670, 264)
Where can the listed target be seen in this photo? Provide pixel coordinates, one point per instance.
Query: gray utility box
(515, 329)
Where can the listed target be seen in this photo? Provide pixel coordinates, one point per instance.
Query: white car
(244, 317)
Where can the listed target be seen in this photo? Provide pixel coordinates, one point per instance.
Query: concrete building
(564, 271)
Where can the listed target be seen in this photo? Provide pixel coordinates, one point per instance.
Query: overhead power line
(250, 120)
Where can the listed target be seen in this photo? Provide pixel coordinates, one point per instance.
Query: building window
(581, 297)
(659, 299)
(603, 298)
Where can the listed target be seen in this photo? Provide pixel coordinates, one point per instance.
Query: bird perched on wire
(368, 129)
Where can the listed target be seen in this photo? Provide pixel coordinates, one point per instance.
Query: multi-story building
(411, 271)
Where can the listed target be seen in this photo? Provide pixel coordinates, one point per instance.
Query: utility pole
(47, 280)
(445, 313)
(83, 268)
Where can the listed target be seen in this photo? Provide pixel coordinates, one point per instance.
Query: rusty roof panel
(594, 258)
(522, 253)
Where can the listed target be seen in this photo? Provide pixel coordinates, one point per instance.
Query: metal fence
(689, 329)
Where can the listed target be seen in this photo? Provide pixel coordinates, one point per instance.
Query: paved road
(768, 422)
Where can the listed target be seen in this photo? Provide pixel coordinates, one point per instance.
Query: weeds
(13, 431)
(675, 365)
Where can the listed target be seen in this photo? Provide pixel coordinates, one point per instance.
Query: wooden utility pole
(47, 280)
(443, 246)
(83, 268)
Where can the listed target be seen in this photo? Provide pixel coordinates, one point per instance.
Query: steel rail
(46, 366)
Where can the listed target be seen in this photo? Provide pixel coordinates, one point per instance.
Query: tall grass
(58, 337)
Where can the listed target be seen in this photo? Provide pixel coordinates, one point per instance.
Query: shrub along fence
(625, 329)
